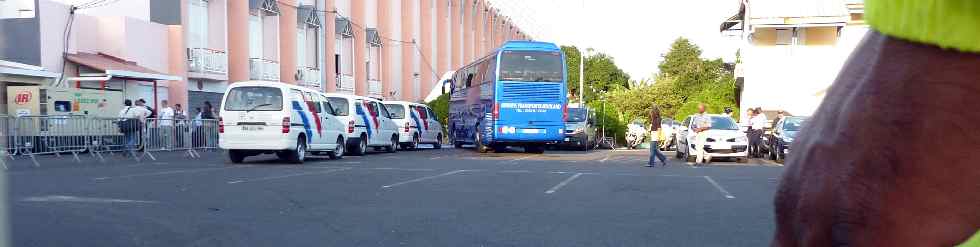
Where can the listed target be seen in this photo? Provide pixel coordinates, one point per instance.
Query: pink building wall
(407, 13)
(360, 47)
(457, 33)
(177, 65)
(425, 47)
(287, 41)
(388, 48)
(467, 31)
(442, 37)
(329, 40)
(238, 41)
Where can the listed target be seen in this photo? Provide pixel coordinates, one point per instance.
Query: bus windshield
(254, 99)
(531, 66)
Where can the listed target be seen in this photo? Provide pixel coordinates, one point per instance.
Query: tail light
(350, 126)
(407, 126)
(221, 125)
(286, 124)
(564, 112)
(496, 111)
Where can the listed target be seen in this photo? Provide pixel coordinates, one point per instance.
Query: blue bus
(515, 96)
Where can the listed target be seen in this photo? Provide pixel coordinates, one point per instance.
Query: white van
(417, 124)
(271, 117)
(368, 123)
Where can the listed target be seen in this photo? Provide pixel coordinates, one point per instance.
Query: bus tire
(534, 149)
(478, 143)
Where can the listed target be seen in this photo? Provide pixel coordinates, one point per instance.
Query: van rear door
(254, 111)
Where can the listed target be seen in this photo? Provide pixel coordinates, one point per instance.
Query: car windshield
(723, 123)
(531, 66)
(577, 114)
(397, 111)
(793, 123)
(340, 105)
(254, 99)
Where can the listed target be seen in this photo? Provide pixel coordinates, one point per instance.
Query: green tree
(601, 73)
(572, 58)
(440, 106)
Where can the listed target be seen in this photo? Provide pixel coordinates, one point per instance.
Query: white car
(417, 122)
(272, 117)
(724, 140)
(368, 123)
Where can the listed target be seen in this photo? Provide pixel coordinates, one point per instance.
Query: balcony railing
(345, 83)
(263, 69)
(374, 89)
(205, 60)
(308, 77)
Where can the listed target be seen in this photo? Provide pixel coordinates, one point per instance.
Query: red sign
(22, 98)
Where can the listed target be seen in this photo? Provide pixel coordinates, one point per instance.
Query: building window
(198, 24)
(784, 36)
(301, 46)
(374, 62)
(255, 35)
(347, 50)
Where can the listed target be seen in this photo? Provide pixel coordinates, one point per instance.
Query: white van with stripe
(260, 117)
(417, 124)
(368, 123)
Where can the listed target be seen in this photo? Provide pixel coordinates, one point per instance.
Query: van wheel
(438, 143)
(360, 148)
(236, 156)
(338, 152)
(677, 152)
(393, 146)
(297, 156)
(415, 142)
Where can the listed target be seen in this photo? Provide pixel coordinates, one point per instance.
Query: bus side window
(469, 80)
(492, 69)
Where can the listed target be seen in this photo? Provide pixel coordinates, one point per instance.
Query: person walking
(180, 122)
(756, 130)
(166, 122)
(654, 138)
(701, 125)
(131, 119)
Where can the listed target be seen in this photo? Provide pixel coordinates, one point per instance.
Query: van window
(371, 108)
(397, 111)
(314, 102)
(254, 99)
(432, 114)
(422, 113)
(327, 108)
(340, 106)
(384, 111)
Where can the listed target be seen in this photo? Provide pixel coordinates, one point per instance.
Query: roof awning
(307, 15)
(114, 67)
(13, 68)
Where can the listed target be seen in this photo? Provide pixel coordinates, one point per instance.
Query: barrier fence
(33, 136)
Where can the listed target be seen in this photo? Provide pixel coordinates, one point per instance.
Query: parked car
(668, 127)
(724, 140)
(636, 134)
(579, 129)
(779, 143)
(368, 123)
(271, 117)
(417, 122)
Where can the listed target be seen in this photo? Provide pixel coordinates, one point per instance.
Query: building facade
(793, 50)
(188, 51)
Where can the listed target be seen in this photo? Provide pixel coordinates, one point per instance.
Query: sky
(635, 32)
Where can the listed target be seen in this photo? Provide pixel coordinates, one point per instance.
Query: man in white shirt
(756, 129)
(166, 124)
(701, 123)
(131, 120)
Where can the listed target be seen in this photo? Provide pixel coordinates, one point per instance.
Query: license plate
(532, 131)
(568, 139)
(252, 128)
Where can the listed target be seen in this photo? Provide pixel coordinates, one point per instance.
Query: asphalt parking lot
(447, 197)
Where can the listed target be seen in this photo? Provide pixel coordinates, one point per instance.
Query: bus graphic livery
(514, 96)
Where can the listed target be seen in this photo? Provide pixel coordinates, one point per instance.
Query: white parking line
(422, 178)
(287, 176)
(60, 198)
(563, 183)
(514, 161)
(718, 186)
(603, 160)
(514, 171)
(166, 173)
(402, 169)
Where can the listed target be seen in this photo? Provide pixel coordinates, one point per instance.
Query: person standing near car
(654, 129)
(700, 124)
(756, 129)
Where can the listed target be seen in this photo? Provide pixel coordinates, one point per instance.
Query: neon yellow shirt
(950, 24)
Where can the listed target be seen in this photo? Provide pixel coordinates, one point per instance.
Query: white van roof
(401, 102)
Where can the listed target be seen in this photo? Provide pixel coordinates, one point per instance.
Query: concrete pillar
(237, 41)
(329, 39)
(408, 52)
(467, 31)
(479, 24)
(457, 33)
(442, 34)
(425, 45)
(287, 41)
(388, 48)
(360, 47)
(177, 65)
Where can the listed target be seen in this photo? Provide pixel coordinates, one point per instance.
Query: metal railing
(374, 89)
(308, 77)
(207, 60)
(263, 69)
(34, 136)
